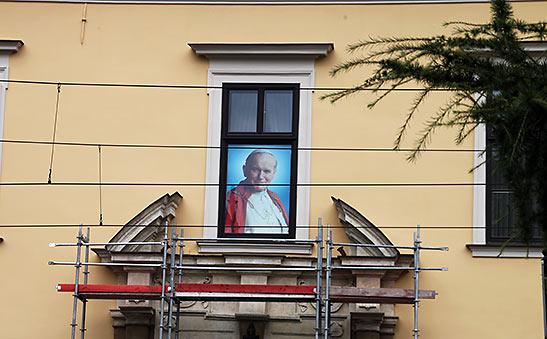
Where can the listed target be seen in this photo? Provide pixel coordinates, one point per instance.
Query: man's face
(259, 171)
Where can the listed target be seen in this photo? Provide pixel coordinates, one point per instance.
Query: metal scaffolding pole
(172, 282)
(179, 280)
(417, 243)
(164, 268)
(86, 273)
(328, 282)
(76, 282)
(318, 301)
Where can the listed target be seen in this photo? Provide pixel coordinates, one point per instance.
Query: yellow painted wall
(478, 298)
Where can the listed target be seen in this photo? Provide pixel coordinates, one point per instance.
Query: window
(489, 192)
(491, 197)
(500, 215)
(7, 47)
(259, 153)
(259, 63)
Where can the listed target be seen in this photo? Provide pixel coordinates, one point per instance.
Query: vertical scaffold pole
(86, 273)
(328, 282)
(179, 280)
(319, 268)
(76, 282)
(417, 245)
(164, 268)
(172, 281)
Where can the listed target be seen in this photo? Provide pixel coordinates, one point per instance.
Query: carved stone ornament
(361, 231)
(334, 307)
(303, 307)
(147, 225)
(336, 329)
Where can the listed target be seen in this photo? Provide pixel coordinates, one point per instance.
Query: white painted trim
(7, 47)
(265, 2)
(4, 75)
(245, 247)
(258, 70)
(485, 251)
(479, 189)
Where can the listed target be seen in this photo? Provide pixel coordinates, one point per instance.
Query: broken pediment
(361, 231)
(148, 225)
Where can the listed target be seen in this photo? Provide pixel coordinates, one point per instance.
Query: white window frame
(479, 247)
(7, 47)
(258, 63)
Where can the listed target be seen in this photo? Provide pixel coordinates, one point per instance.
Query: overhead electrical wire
(108, 84)
(54, 142)
(159, 184)
(336, 149)
(448, 227)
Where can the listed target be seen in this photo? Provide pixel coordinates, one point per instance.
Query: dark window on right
(500, 214)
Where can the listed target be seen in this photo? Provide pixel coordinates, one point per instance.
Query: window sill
(493, 251)
(220, 246)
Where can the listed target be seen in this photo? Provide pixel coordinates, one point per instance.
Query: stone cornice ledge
(215, 246)
(10, 46)
(266, 2)
(311, 50)
(493, 251)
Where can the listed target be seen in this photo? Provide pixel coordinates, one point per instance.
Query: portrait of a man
(252, 206)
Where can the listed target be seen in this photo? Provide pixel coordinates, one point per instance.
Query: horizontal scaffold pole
(236, 292)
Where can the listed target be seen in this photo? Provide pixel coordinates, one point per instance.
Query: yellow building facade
(133, 77)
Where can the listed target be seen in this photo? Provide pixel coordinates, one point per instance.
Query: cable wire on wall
(54, 132)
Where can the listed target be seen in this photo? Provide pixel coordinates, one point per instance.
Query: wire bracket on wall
(100, 187)
(54, 132)
(84, 21)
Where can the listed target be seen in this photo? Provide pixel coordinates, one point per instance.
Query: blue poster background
(236, 159)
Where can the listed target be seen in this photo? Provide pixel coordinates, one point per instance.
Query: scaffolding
(171, 293)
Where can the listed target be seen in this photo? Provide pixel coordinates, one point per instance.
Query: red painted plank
(236, 288)
(110, 288)
(218, 288)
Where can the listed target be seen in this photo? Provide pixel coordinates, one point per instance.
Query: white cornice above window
(309, 50)
(10, 46)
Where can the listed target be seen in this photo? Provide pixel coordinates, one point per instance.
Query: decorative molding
(534, 48)
(256, 248)
(265, 2)
(10, 46)
(147, 225)
(361, 231)
(313, 50)
(491, 251)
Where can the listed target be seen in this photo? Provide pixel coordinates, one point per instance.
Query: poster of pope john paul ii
(258, 191)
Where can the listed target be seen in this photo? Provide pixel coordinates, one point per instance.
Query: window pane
(278, 106)
(243, 111)
(502, 215)
(258, 189)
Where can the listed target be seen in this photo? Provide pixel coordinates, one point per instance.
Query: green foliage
(491, 79)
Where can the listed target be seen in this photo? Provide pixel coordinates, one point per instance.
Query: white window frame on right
(7, 47)
(480, 247)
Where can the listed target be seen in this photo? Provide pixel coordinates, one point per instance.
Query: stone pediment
(148, 225)
(361, 231)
